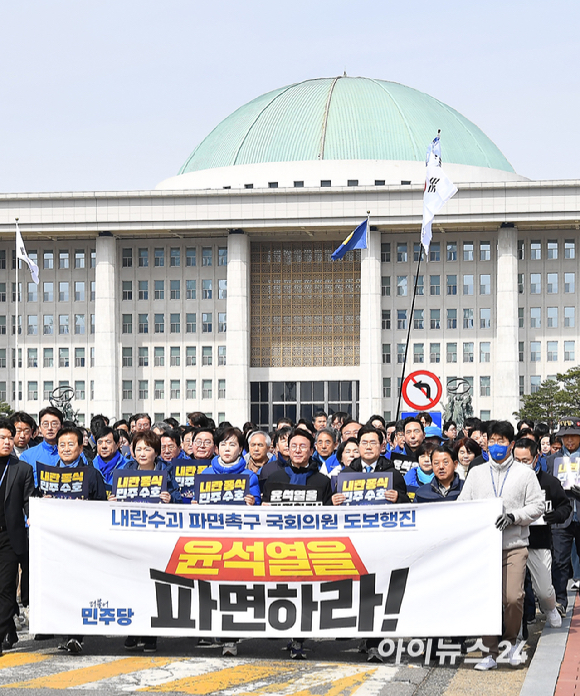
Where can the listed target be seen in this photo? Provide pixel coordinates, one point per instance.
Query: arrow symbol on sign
(424, 388)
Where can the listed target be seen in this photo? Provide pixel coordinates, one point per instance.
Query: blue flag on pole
(355, 240)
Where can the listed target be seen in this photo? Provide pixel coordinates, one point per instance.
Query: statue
(459, 405)
(61, 398)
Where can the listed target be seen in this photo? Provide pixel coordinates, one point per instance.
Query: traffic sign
(422, 390)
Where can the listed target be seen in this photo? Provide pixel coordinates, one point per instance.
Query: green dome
(345, 118)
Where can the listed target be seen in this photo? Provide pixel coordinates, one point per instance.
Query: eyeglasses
(369, 443)
(203, 443)
(303, 448)
(49, 425)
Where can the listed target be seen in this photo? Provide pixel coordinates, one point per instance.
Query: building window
(175, 257)
(451, 318)
(190, 355)
(416, 251)
(143, 258)
(206, 389)
(386, 353)
(325, 183)
(452, 285)
(418, 319)
(402, 319)
(535, 351)
(79, 258)
(159, 286)
(206, 355)
(401, 353)
(420, 286)
(451, 251)
(222, 256)
(174, 389)
(221, 388)
(207, 256)
(569, 282)
(222, 289)
(468, 251)
(435, 285)
(386, 252)
(418, 353)
(159, 356)
(127, 323)
(159, 389)
(435, 352)
(386, 387)
(352, 182)
(569, 317)
(521, 248)
(127, 389)
(552, 351)
(536, 250)
(402, 256)
(143, 357)
(63, 259)
(32, 325)
(386, 319)
(48, 357)
(127, 258)
(435, 251)
(3, 325)
(521, 385)
(468, 284)
(190, 293)
(207, 325)
(63, 324)
(484, 352)
(63, 357)
(569, 249)
(32, 358)
(143, 389)
(190, 389)
(159, 256)
(175, 323)
(521, 283)
(521, 351)
(535, 317)
(468, 352)
(386, 286)
(435, 318)
(485, 386)
(48, 260)
(206, 291)
(552, 283)
(468, 318)
(535, 383)
(79, 291)
(221, 355)
(159, 321)
(174, 290)
(190, 322)
(520, 317)
(127, 290)
(552, 249)
(485, 284)
(298, 184)
(174, 356)
(402, 286)
(190, 257)
(222, 322)
(452, 352)
(535, 284)
(33, 391)
(485, 251)
(79, 324)
(48, 292)
(143, 323)
(32, 292)
(47, 389)
(93, 290)
(92, 358)
(569, 351)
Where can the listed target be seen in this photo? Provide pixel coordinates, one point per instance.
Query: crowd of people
(539, 524)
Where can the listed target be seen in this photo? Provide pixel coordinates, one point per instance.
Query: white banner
(168, 570)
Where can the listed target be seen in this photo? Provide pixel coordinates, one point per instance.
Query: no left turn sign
(422, 390)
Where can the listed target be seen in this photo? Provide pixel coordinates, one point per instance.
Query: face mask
(498, 452)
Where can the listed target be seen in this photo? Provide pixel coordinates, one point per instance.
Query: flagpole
(409, 330)
(17, 371)
(370, 355)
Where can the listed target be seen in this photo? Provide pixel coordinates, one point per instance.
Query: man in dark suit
(16, 487)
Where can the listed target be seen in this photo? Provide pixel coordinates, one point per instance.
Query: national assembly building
(216, 292)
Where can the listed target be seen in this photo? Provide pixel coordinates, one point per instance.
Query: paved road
(262, 668)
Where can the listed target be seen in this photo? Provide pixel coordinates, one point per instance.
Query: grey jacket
(518, 487)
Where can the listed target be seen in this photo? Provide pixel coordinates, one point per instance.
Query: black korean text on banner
(221, 489)
(361, 488)
(294, 494)
(63, 482)
(139, 486)
(184, 473)
(402, 462)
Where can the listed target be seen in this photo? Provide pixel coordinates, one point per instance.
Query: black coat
(384, 464)
(540, 535)
(19, 489)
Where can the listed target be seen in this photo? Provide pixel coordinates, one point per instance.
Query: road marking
(211, 682)
(18, 659)
(340, 687)
(78, 677)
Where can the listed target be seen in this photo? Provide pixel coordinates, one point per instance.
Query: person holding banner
(523, 502)
(50, 419)
(109, 456)
(70, 449)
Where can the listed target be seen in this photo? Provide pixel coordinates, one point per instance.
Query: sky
(115, 94)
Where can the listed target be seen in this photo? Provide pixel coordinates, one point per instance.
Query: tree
(5, 409)
(553, 400)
